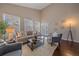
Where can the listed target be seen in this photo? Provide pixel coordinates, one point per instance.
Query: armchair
(57, 39)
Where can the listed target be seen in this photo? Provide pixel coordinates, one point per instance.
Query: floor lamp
(10, 31)
(69, 23)
(70, 34)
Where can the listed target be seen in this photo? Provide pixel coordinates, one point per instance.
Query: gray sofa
(12, 49)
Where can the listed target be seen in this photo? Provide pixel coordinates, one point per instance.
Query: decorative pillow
(29, 32)
(18, 34)
(55, 34)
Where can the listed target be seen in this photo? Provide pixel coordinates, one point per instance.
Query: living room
(39, 29)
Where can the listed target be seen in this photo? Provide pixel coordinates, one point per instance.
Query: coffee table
(34, 44)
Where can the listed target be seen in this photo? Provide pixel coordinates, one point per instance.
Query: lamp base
(70, 33)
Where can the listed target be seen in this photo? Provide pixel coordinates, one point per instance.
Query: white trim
(70, 40)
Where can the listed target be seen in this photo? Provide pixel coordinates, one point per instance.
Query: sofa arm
(12, 47)
(1, 50)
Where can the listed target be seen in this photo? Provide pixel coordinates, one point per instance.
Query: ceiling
(38, 6)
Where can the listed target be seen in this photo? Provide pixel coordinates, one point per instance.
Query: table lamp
(69, 23)
(10, 31)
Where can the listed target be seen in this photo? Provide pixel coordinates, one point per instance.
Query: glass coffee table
(34, 44)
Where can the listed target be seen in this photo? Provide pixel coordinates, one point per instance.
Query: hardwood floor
(67, 48)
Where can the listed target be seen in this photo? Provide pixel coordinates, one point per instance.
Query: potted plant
(3, 26)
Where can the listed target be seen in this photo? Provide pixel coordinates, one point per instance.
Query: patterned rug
(44, 50)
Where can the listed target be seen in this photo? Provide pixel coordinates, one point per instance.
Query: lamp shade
(9, 29)
(71, 21)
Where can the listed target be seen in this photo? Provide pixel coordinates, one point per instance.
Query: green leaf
(3, 26)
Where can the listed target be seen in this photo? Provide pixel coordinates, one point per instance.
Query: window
(28, 24)
(37, 26)
(44, 28)
(31, 25)
(12, 21)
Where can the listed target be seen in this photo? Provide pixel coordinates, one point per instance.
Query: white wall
(56, 13)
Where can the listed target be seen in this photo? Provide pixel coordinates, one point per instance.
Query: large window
(37, 26)
(12, 20)
(31, 25)
(44, 28)
(28, 24)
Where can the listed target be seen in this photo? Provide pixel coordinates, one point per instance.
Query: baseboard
(70, 40)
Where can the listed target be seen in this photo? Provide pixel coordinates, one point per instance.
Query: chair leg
(51, 44)
(59, 44)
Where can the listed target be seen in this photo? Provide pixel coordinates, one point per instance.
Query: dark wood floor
(67, 48)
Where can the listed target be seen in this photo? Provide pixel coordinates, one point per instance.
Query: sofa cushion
(14, 53)
(1, 50)
(10, 48)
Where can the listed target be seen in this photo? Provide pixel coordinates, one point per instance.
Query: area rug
(44, 50)
(38, 44)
